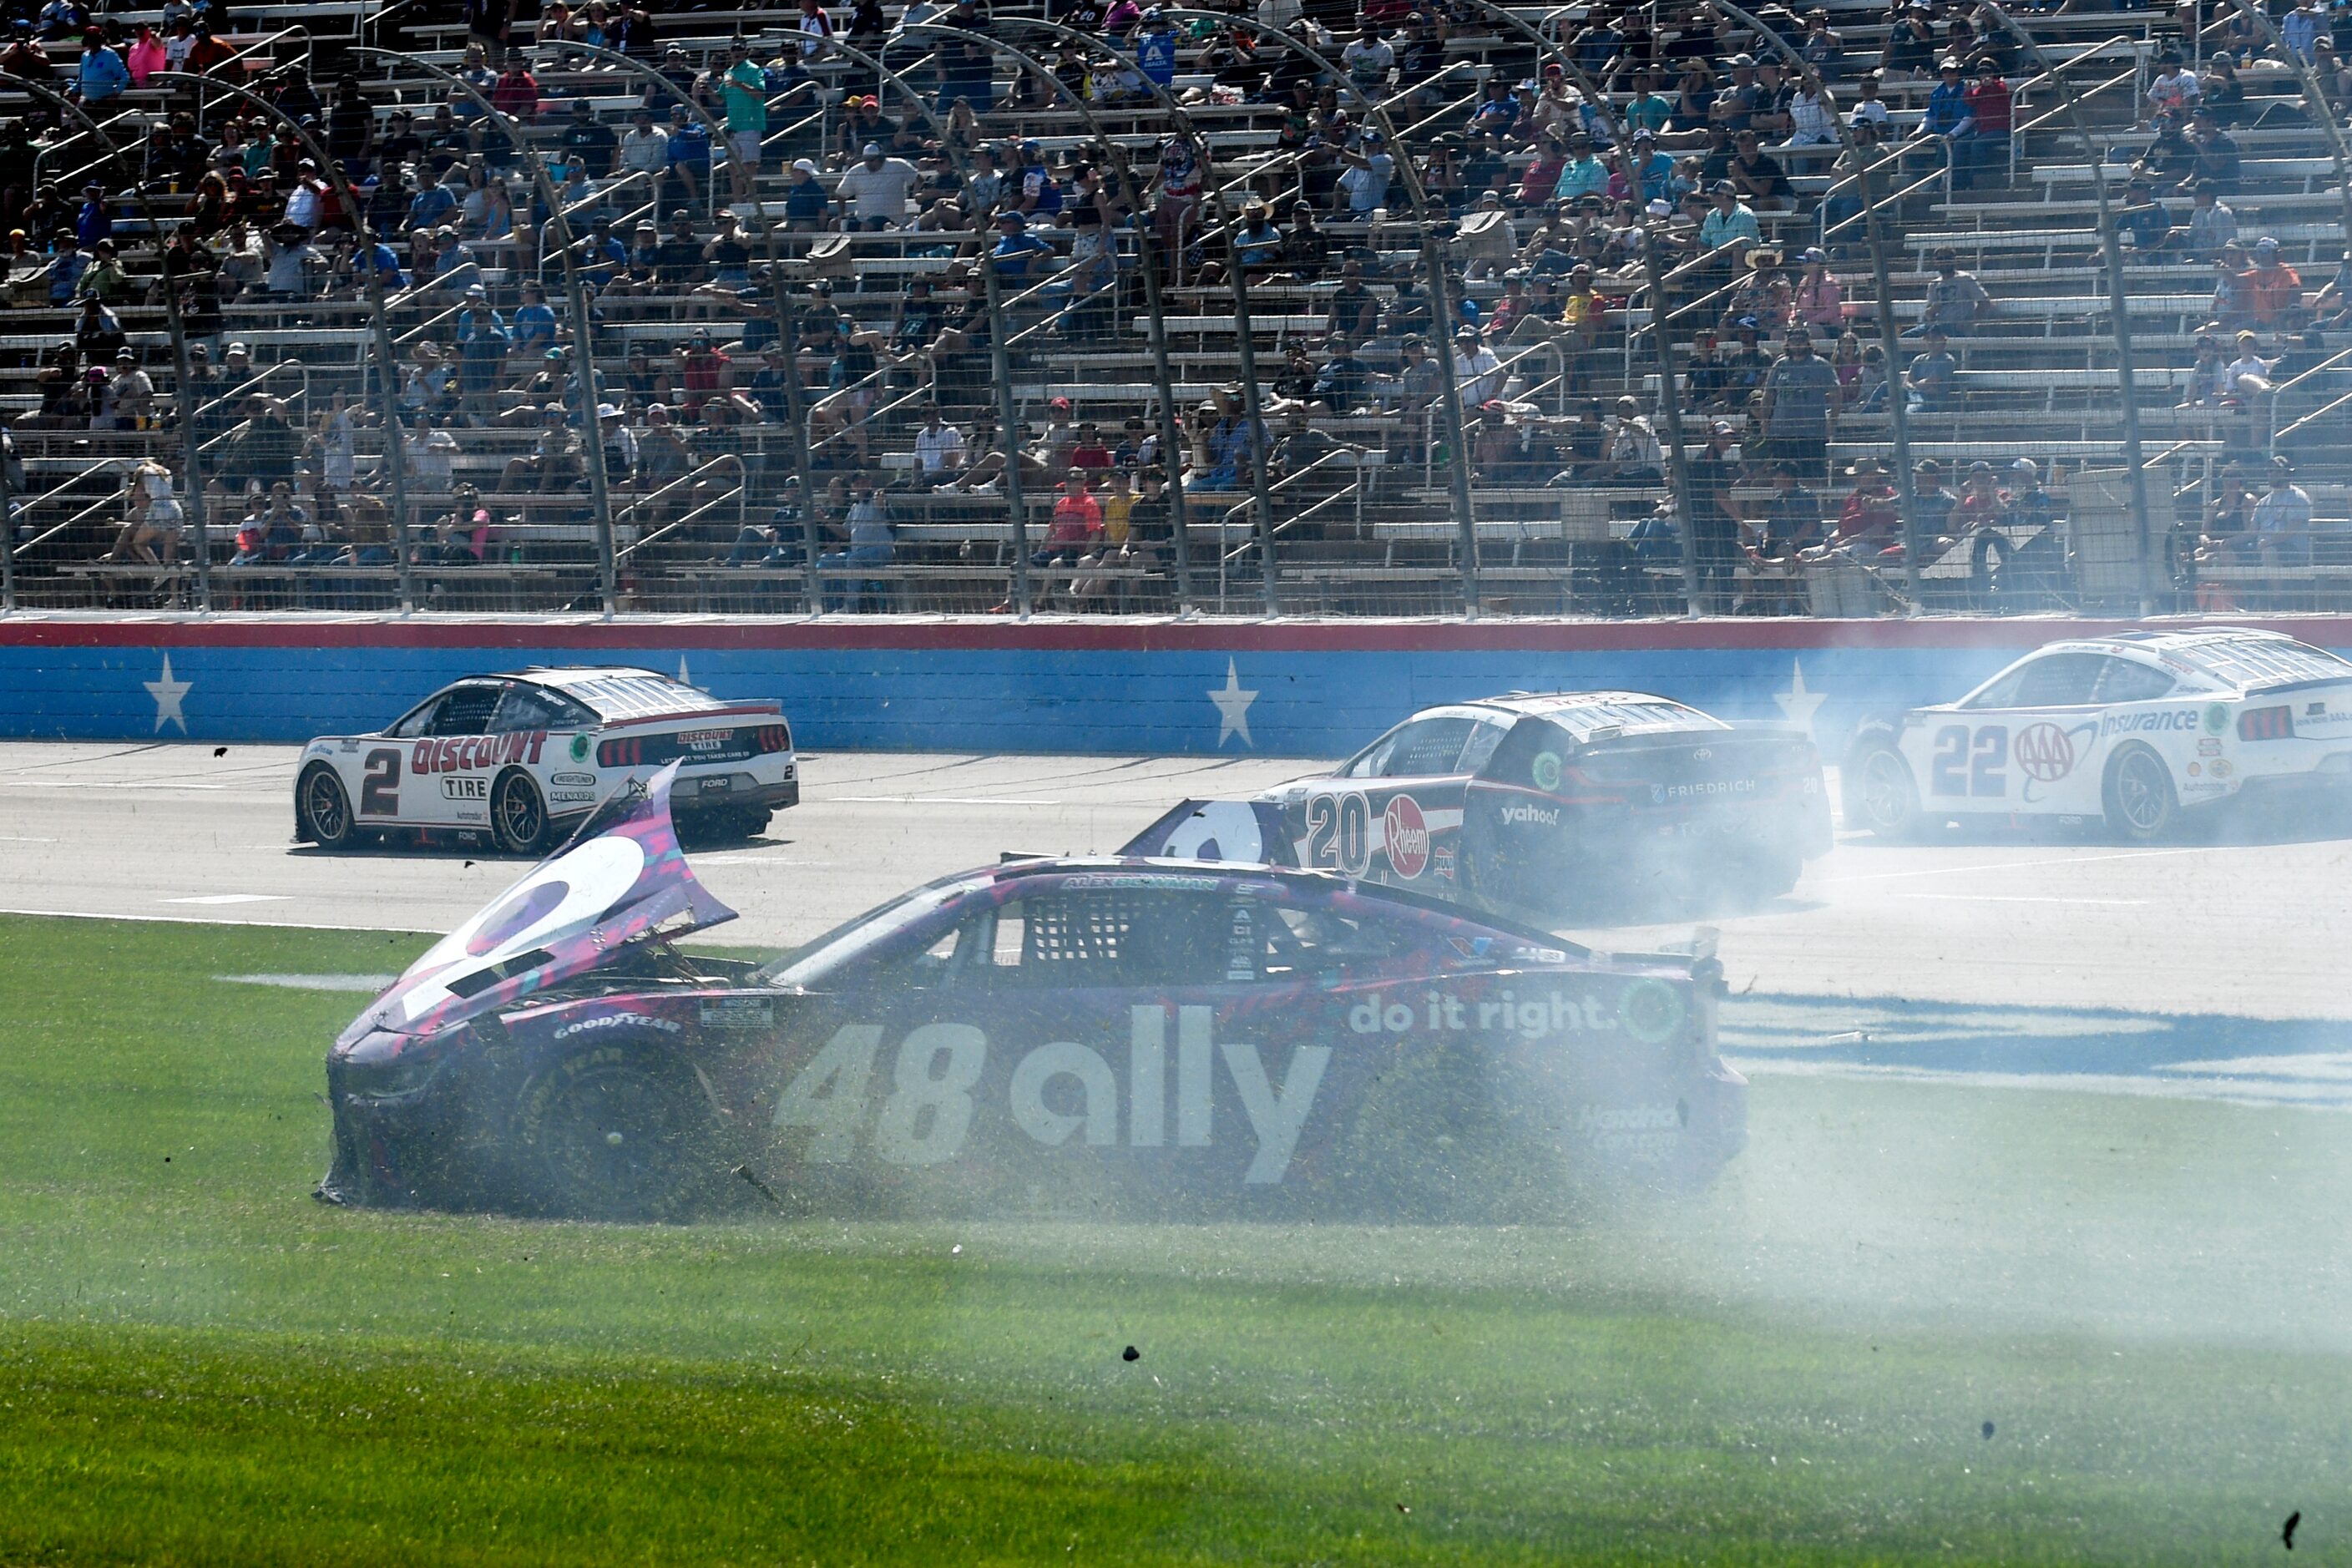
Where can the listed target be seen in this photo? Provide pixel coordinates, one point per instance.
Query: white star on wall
(1797, 703)
(1233, 707)
(167, 693)
(684, 676)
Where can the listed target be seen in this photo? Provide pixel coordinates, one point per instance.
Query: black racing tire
(621, 1130)
(519, 820)
(2142, 806)
(322, 808)
(1879, 793)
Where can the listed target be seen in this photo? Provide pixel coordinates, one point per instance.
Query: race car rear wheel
(2141, 802)
(518, 813)
(322, 807)
(1880, 793)
(621, 1130)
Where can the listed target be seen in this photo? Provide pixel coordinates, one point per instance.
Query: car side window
(1418, 749)
(2060, 681)
(2124, 680)
(417, 722)
(1484, 739)
(1096, 936)
(534, 708)
(1303, 939)
(466, 710)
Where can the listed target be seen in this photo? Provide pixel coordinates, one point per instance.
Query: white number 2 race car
(520, 758)
(2130, 730)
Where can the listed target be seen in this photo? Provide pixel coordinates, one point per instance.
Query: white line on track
(2018, 865)
(231, 898)
(2021, 898)
(200, 921)
(23, 839)
(932, 800)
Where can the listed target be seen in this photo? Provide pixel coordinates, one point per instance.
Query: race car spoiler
(1234, 832)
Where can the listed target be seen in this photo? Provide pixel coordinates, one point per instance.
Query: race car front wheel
(1880, 793)
(322, 808)
(2140, 800)
(518, 815)
(621, 1130)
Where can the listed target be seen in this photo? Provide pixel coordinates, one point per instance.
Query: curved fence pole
(999, 349)
(787, 337)
(1890, 340)
(1146, 258)
(583, 346)
(395, 445)
(1441, 290)
(2111, 254)
(182, 393)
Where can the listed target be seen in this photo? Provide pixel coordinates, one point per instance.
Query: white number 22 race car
(2130, 730)
(520, 758)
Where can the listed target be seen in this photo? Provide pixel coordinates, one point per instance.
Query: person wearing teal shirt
(746, 85)
(1583, 174)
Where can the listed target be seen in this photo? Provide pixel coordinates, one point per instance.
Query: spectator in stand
(745, 87)
(2175, 89)
(1715, 523)
(1870, 520)
(2143, 223)
(1756, 176)
(2274, 290)
(101, 74)
(2211, 224)
(1984, 140)
(1800, 399)
(1077, 528)
(516, 92)
(1932, 379)
(1819, 297)
(2331, 308)
(1730, 230)
(939, 447)
(2228, 537)
(1945, 121)
(2219, 163)
(2233, 303)
(1956, 301)
(2302, 28)
(689, 151)
(873, 542)
(874, 191)
(2281, 518)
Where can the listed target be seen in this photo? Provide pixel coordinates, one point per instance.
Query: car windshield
(808, 966)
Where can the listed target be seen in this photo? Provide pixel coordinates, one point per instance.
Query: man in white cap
(1476, 369)
(874, 191)
(807, 204)
(620, 444)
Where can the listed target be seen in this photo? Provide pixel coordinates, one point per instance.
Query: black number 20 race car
(1544, 804)
(1103, 1036)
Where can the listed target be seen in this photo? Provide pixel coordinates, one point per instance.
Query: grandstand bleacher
(288, 321)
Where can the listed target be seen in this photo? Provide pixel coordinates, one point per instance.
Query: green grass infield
(1913, 1323)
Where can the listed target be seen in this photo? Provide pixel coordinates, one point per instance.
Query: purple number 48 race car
(1115, 1037)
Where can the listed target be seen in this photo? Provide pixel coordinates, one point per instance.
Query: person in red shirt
(1077, 524)
(1985, 145)
(1089, 453)
(1870, 521)
(516, 92)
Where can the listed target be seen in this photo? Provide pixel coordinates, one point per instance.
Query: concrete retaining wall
(1301, 688)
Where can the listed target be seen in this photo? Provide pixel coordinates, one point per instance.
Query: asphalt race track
(1991, 957)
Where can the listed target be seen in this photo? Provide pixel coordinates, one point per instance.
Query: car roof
(619, 690)
(1585, 712)
(2236, 656)
(1157, 871)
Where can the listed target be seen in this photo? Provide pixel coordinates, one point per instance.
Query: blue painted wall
(1312, 690)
